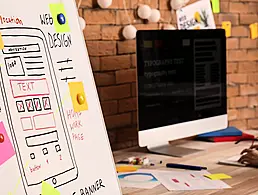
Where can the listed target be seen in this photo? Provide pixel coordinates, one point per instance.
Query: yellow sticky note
(254, 30)
(78, 96)
(218, 176)
(47, 189)
(1, 42)
(197, 28)
(124, 169)
(56, 9)
(215, 6)
(227, 27)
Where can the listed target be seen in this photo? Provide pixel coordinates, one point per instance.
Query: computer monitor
(181, 81)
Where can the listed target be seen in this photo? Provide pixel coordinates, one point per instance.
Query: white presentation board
(52, 129)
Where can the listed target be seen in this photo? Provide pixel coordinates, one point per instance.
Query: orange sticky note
(78, 96)
(126, 168)
(227, 27)
(254, 30)
(1, 42)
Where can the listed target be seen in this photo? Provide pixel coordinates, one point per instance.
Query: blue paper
(230, 131)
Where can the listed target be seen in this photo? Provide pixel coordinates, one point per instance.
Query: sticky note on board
(55, 9)
(215, 6)
(77, 93)
(1, 42)
(218, 176)
(227, 27)
(254, 30)
(47, 189)
(6, 147)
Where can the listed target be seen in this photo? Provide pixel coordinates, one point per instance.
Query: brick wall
(113, 61)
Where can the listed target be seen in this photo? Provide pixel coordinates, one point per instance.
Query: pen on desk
(189, 167)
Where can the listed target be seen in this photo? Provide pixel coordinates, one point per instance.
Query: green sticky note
(55, 9)
(47, 189)
(215, 6)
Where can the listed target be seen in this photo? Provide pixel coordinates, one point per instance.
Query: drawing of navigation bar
(42, 139)
(14, 49)
(29, 87)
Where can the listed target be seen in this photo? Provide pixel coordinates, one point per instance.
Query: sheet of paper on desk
(188, 180)
(143, 179)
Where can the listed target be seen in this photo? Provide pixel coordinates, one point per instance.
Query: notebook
(232, 161)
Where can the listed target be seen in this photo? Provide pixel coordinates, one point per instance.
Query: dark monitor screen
(181, 76)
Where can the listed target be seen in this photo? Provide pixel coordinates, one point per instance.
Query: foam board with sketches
(48, 135)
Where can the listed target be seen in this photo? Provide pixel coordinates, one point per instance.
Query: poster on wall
(196, 16)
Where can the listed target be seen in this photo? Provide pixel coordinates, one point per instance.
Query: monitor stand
(172, 150)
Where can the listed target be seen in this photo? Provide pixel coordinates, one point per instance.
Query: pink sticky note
(6, 148)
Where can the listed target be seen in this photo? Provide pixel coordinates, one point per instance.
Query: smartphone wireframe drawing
(34, 110)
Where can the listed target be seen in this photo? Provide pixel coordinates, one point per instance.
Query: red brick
(240, 31)
(253, 78)
(252, 123)
(232, 43)
(134, 90)
(134, 60)
(134, 118)
(112, 136)
(115, 62)
(232, 114)
(248, 43)
(151, 3)
(224, 7)
(99, 16)
(118, 4)
(164, 5)
(95, 63)
(109, 107)
(248, 18)
(115, 92)
(241, 7)
(237, 78)
(92, 32)
(111, 32)
(148, 26)
(246, 113)
(238, 102)
(127, 134)
(240, 124)
(123, 18)
(252, 54)
(232, 67)
(167, 16)
(252, 101)
(105, 78)
(120, 120)
(248, 90)
(233, 18)
(247, 67)
(101, 48)
(232, 91)
(126, 105)
(237, 55)
(125, 76)
(128, 46)
(85, 3)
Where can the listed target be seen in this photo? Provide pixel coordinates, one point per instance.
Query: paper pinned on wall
(215, 6)
(76, 88)
(47, 189)
(226, 25)
(55, 9)
(254, 30)
(6, 148)
(1, 42)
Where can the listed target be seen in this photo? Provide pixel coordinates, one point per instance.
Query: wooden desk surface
(244, 179)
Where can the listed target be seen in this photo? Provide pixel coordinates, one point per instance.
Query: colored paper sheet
(47, 189)
(215, 6)
(1, 42)
(254, 30)
(6, 148)
(227, 27)
(75, 89)
(55, 9)
(218, 176)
